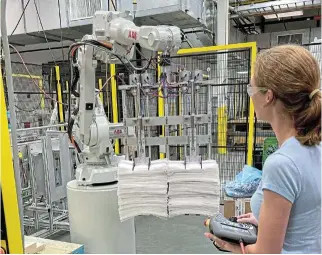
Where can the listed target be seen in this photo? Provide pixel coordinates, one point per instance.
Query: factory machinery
(92, 197)
(86, 151)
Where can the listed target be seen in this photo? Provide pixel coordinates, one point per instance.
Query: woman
(285, 90)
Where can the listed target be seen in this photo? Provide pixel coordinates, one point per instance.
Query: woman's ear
(269, 98)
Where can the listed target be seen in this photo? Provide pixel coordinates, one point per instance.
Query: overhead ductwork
(210, 15)
(275, 7)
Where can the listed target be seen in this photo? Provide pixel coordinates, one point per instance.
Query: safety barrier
(11, 229)
(227, 70)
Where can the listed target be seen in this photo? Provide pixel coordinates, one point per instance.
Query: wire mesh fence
(32, 99)
(228, 74)
(33, 108)
(198, 84)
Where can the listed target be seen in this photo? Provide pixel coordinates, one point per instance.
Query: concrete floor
(179, 235)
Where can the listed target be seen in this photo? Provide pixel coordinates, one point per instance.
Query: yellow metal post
(217, 48)
(42, 97)
(59, 98)
(222, 130)
(160, 104)
(67, 87)
(100, 86)
(114, 104)
(13, 241)
(251, 119)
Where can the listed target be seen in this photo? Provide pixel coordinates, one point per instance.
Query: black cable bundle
(74, 82)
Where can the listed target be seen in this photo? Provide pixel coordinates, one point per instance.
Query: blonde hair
(292, 73)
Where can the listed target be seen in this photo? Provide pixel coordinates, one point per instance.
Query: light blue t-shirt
(294, 172)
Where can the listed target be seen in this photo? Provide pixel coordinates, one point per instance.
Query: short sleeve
(281, 176)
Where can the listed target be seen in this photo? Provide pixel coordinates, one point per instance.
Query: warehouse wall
(290, 26)
(235, 36)
(267, 40)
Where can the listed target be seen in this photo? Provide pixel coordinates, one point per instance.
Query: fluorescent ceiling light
(243, 72)
(283, 15)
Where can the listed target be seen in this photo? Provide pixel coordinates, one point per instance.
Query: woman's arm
(281, 185)
(273, 220)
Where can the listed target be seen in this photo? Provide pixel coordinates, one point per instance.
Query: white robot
(92, 197)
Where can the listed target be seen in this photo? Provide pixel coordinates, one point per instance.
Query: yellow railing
(59, 97)
(114, 104)
(160, 106)
(8, 185)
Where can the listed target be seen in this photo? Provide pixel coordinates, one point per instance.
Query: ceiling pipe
(271, 7)
(235, 3)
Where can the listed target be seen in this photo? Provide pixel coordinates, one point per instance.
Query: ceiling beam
(276, 7)
(235, 3)
(267, 23)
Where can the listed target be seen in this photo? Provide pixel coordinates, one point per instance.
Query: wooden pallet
(36, 245)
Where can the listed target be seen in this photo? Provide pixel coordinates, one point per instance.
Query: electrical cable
(70, 94)
(142, 55)
(140, 68)
(33, 80)
(74, 83)
(43, 30)
(23, 12)
(61, 30)
(29, 110)
(72, 53)
(105, 83)
(107, 47)
(114, 6)
(107, 96)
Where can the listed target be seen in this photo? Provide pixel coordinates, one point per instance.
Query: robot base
(94, 220)
(95, 174)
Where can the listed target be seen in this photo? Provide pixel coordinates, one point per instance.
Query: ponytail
(308, 121)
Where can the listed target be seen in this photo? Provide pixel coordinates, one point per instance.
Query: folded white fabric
(142, 190)
(194, 189)
(168, 188)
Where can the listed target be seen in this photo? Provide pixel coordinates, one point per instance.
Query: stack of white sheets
(142, 190)
(192, 189)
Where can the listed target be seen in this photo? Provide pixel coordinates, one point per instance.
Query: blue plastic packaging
(245, 184)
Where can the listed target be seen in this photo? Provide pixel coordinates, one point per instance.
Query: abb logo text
(118, 131)
(133, 35)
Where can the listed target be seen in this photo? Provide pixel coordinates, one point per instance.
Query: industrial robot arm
(118, 29)
(112, 41)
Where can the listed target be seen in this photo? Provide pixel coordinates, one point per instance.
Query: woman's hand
(234, 248)
(247, 218)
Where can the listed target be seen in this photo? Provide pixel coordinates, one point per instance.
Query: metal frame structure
(44, 204)
(154, 125)
(253, 47)
(14, 242)
(43, 212)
